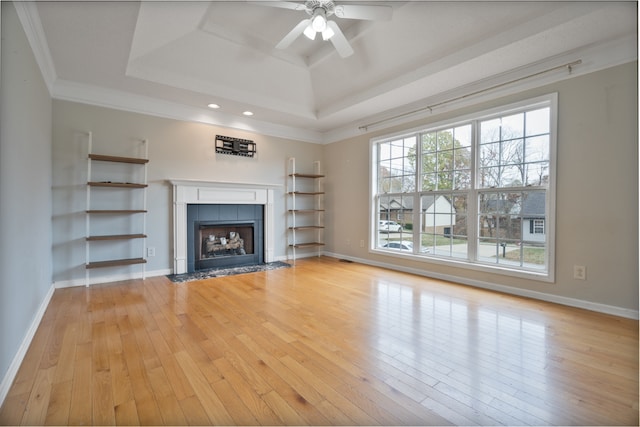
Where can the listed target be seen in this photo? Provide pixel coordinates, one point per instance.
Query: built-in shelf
(306, 175)
(116, 211)
(306, 245)
(116, 159)
(101, 219)
(117, 237)
(115, 263)
(116, 184)
(307, 193)
(305, 209)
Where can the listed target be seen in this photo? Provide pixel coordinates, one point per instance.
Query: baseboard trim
(7, 381)
(542, 296)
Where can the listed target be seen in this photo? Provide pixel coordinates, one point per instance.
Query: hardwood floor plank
(359, 391)
(126, 414)
(120, 381)
(194, 412)
(26, 375)
(65, 364)
(305, 391)
(241, 415)
(246, 392)
(171, 411)
(148, 411)
(36, 410)
(80, 410)
(13, 408)
(322, 343)
(211, 403)
(341, 403)
(59, 406)
(280, 407)
(146, 405)
(103, 412)
(299, 404)
(179, 383)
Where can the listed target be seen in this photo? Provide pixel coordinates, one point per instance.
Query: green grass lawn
(530, 255)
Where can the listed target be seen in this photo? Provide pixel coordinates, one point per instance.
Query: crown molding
(594, 58)
(32, 26)
(125, 101)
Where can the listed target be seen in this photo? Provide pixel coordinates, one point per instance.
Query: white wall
(177, 150)
(597, 194)
(25, 194)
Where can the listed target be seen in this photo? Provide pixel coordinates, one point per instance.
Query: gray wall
(177, 150)
(597, 192)
(25, 189)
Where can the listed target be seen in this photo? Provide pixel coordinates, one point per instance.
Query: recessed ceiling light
(248, 113)
(213, 106)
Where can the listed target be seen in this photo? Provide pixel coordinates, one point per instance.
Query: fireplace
(224, 236)
(230, 206)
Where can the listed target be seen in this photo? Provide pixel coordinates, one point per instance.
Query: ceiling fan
(319, 12)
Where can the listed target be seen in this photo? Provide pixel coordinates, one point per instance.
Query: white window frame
(548, 275)
(538, 226)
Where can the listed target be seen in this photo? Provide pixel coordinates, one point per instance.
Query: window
(477, 190)
(537, 226)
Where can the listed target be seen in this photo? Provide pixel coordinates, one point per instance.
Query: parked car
(404, 245)
(389, 226)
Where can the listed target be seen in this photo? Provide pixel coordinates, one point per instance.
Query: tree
(446, 161)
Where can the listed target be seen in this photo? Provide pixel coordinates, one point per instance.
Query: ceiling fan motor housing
(329, 6)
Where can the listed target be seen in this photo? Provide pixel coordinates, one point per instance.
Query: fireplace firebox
(216, 241)
(224, 236)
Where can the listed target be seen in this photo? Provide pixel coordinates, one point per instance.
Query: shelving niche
(305, 210)
(116, 209)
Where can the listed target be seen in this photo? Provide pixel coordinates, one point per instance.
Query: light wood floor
(323, 343)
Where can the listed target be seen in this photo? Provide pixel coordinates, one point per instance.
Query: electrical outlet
(580, 272)
(151, 251)
(348, 242)
(362, 243)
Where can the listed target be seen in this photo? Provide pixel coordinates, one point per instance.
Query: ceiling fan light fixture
(319, 20)
(310, 32)
(327, 34)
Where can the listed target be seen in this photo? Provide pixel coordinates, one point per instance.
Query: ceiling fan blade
(280, 4)
(293, 34)
(371, 13)
(339, 40)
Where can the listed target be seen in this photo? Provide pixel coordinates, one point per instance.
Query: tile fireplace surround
(186, 192)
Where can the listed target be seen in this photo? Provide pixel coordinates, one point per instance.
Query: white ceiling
(173, 58)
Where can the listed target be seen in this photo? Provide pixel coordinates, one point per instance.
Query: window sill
(540, 276)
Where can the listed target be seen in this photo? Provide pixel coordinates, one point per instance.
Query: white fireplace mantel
(187, 192)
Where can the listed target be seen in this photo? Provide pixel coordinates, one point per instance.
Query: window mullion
(417, 203)
(472, 199)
